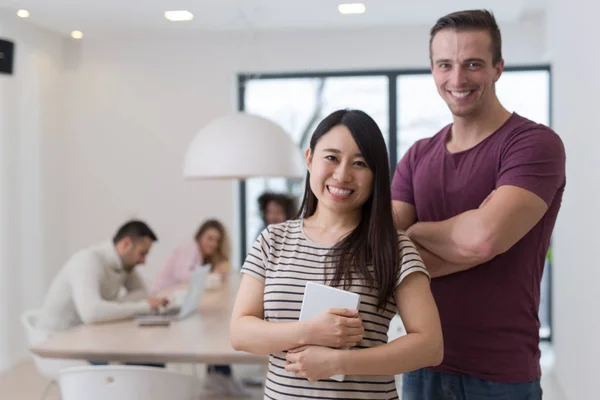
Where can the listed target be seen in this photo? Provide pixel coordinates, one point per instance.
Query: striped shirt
(285, 259)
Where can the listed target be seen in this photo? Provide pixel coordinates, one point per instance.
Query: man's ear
(127, 243)
(499, 69)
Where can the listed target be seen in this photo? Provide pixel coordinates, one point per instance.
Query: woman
(210, 246)
(345, 238)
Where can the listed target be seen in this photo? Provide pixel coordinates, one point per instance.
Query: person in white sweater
(87, 288)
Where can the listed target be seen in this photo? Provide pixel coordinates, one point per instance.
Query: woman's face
(274, 213)
(339, 176)
(209, 242)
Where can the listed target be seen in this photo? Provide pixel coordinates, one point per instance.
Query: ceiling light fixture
(23, 13)
(241, 146)
(77, 34)
(179, 15)
(352, 8)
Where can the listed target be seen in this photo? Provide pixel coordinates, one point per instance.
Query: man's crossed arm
(475, 236)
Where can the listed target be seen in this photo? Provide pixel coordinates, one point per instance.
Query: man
(480, 200)
(86, 290)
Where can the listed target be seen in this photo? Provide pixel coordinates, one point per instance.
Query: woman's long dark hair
(374, 242)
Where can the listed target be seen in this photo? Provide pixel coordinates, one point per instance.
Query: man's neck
(467, 132)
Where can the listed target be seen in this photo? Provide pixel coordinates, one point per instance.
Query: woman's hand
(312, 362)
(336, 327)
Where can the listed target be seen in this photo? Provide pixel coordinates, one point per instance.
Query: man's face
(135, 252)
(463, 70)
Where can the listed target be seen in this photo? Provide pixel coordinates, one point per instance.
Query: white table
(201, 338)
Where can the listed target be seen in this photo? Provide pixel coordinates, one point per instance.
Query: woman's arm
(421, 347)
(251, 333)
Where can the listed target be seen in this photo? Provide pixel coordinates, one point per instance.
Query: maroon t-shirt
(489, 313)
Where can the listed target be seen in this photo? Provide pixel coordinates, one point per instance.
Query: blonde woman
(210, 246)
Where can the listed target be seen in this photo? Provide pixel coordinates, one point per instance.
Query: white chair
(48, 367)
(124, 382)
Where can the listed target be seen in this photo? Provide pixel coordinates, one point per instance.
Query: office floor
(24, 383)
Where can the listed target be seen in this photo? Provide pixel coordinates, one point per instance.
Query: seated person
(86, 289)
(276, 208)
(210, 246)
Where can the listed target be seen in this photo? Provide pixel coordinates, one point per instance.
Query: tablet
(319, 298)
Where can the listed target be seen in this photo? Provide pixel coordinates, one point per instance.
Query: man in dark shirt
(480, 199)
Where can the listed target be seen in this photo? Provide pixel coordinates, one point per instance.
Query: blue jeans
(425, 384)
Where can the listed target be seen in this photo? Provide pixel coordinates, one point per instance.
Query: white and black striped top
(285, 259)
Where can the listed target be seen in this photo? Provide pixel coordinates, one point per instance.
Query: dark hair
(222, 253)
(135, 230)
(471, 20)
(288, 203)
(374, 242)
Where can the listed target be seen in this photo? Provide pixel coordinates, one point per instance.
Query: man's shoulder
(519, 126)
(423, 146)
(523, 133)
(88, 257)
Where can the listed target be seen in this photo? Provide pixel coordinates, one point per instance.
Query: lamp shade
(242, 146)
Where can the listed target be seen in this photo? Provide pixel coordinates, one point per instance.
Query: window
(406, 100)
(298, 105)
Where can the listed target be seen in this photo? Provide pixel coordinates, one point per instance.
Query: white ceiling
(98, 17)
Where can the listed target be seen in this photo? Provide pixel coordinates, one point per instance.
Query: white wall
(571, 28)
(32, 229)
(136, 102)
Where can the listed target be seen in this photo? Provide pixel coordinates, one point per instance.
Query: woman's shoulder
(283, 229)
(187, 250)
(189, 246)
(404, 242)
(402, 235)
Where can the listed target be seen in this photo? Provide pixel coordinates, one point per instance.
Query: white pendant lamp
(241, 146)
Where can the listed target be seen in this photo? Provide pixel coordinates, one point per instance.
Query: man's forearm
(437, 266)
(455, 240)
(135, 295)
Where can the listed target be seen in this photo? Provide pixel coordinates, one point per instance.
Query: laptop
(187, 308)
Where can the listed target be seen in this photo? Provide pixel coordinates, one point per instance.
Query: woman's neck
(327, 227)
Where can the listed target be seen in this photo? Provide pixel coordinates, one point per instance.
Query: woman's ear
(308, 156)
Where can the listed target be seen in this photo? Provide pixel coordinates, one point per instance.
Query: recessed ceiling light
(77, 34)
(23, 13)
(352, 8)
(179, 15)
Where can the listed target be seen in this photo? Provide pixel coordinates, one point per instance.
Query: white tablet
(319, 298)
